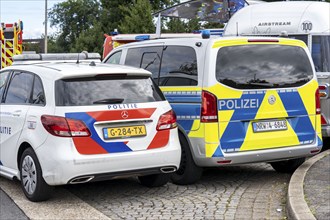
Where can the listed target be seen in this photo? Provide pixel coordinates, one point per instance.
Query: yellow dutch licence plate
(127, 131)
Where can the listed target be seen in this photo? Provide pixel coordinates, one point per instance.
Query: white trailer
(305, 20)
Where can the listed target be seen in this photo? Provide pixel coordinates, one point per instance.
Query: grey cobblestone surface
(317, 188)
(240, 192)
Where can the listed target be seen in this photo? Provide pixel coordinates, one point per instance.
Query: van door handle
(17, 113)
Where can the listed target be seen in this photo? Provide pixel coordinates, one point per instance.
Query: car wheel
(287, 166)
(188, 172)
(154, 180)
(33, 184)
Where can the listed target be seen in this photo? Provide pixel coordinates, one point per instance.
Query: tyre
(33, 184)
(154, 180)
(188, 172)
(287, 166)
(326, 143)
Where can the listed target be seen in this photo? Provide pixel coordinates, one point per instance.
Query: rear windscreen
(263, 66)
(106, 90)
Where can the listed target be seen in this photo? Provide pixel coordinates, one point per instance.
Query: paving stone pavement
(253, 191)
(317, 188)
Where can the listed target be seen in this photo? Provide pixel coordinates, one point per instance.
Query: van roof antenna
(283, 34)
(159, 26)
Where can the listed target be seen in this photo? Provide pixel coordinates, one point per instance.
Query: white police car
(68, 123)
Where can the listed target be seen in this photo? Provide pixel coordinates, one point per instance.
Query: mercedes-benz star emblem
(271, 99)
(124, 114)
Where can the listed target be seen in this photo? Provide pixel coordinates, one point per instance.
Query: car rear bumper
(65, 165)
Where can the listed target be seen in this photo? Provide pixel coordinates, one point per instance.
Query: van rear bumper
(267, 155)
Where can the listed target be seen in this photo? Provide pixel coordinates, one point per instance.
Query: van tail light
(167, 121)
(323, 121)
(323, 90)
(64, 127)
(209, 107)
(317, 102)
(263, 41)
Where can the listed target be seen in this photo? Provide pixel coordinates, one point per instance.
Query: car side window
(3, 80)
(114, 58)
(19, 90)
(38, 95)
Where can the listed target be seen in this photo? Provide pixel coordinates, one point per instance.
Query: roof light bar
(56, 56)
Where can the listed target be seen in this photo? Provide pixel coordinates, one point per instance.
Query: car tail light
(167, 121)
(323, 121)
(209, 107)
(317, 102)
(64, 127)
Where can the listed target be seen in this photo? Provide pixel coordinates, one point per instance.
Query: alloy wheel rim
(29, 175)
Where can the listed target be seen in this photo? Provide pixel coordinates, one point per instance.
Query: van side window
(178, 66)
(115, 58)
(321, 53)
(19, 89)
(145, 57)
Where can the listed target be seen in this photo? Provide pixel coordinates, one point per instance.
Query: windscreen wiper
(262, 84)
(108, 101)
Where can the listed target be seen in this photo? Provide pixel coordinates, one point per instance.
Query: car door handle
(17, 113)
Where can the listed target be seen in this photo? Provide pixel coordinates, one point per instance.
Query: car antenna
(77, 59)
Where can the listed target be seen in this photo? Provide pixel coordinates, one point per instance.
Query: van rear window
(106, 90)
(263, 66)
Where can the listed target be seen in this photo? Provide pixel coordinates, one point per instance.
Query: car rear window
(107, 89)
(263, 66)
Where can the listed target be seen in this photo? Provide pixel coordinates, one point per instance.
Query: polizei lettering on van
(233, 104)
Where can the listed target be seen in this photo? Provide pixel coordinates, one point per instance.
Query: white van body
(305, 20)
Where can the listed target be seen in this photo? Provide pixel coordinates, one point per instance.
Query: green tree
(73, 17)
(90, 40)
(82, 23)
(138, 18)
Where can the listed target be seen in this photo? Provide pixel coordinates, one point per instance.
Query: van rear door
(266, 95)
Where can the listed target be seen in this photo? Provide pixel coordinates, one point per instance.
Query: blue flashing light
(216, 32)
(142, 37)
(205, 34)
(114, 33)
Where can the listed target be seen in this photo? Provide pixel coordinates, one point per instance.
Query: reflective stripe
(94, 144)
(301, 125)
(234, 135)
(244, 41)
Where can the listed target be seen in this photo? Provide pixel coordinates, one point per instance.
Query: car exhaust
(82, 179)
(168, 169)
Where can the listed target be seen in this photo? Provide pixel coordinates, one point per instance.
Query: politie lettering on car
(69, 122)
(237, 99)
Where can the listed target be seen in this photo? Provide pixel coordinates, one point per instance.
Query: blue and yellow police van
(237, 99)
